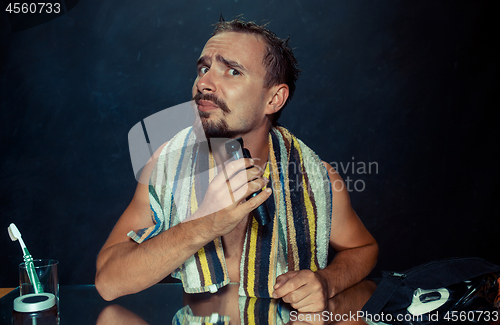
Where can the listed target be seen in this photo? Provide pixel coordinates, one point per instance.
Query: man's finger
(235, 166)
(256, 201)
(302, 298)
(248, 181)
(293, 283)
(247, 189)
(282, 279)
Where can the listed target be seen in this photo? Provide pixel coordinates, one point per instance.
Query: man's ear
(279, 96)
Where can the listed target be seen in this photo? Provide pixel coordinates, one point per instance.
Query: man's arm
(357, 253)
(125, 267)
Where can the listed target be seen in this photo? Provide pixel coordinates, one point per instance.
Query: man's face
(229, 89)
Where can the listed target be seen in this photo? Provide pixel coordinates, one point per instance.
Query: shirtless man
(235, 99)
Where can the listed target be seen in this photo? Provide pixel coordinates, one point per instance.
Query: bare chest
(233, 249)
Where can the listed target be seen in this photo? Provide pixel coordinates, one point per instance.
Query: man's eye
(234, 72)
(204, 70)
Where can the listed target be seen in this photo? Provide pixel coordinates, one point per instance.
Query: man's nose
(206, 83)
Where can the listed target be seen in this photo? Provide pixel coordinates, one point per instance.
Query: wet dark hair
(279, 61)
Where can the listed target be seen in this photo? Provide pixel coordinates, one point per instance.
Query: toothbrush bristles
(11, 235)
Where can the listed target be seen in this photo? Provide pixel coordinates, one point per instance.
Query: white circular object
(34, 302)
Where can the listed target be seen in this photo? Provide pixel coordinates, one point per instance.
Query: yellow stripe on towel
(251, 258)
(271, 281)
(292, 239)
(204, 267)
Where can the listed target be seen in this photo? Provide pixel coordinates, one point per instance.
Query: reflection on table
(167, 304)
(227, 307)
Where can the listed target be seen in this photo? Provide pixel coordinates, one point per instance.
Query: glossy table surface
(4, 291)
(168, 304)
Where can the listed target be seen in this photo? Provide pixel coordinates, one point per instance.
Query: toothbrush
(28, 259)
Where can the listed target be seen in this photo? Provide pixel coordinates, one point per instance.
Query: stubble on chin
(215, 129)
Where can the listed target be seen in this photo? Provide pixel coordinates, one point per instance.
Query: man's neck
(259, 149)
(257, 142)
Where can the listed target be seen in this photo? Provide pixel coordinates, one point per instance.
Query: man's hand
(304, 290)
(224, 204)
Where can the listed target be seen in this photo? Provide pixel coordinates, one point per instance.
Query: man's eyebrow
(202, 61)
(229, 63)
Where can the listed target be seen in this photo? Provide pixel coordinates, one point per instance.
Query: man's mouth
(209, 102)
(206, 106)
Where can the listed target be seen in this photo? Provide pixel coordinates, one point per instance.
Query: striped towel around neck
(296, 239)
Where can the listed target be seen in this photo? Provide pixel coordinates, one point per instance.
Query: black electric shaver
(261, 213)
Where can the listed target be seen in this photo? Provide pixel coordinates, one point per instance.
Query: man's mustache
(212, 98)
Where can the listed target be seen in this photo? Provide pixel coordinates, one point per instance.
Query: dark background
(412, 86)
